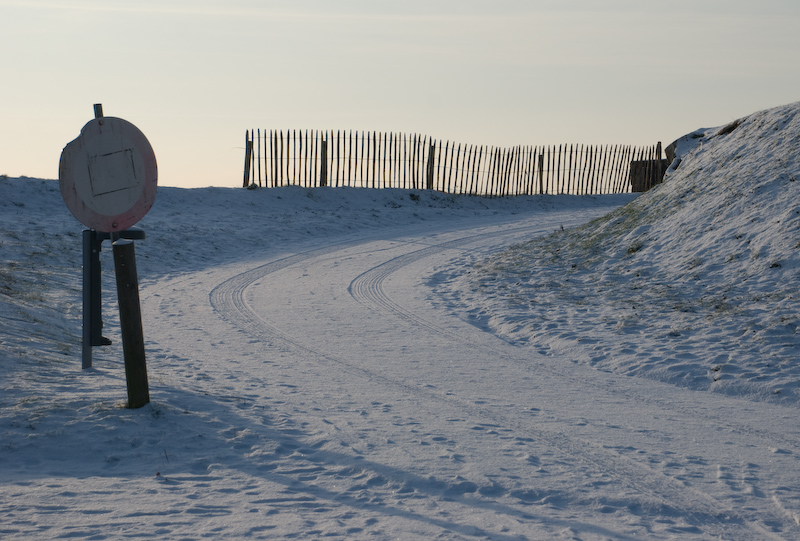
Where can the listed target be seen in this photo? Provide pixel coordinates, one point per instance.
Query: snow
(352, 363)
(706, 265)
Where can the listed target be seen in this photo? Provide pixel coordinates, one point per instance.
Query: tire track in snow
(228, 300)
(367, 288)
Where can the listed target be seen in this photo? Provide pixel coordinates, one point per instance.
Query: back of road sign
(108, 175)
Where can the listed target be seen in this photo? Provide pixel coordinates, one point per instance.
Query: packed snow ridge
(695, 282)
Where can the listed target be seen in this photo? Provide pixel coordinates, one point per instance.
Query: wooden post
(501, 169)
(438, 174)
(512, 167)
(88, 312)
(510, 171)
(338, 155)
(528, 170)
(497, 175)
(590, 169)
(476, 178)
(374, 157)
(130, 318)
(391, 157)
(279, 156)
(272, 160)
(276, 164)
(569, 171)
(490, 172)
(258, 155)
(658, 170)
(431, 164)
(362, 159)
(383, 168)
(603, 161)
(313, 157)
(412, 162)
(587, 157)
(618, 162)
(374, 179)
(367, 143)
(323, 163)
(458, 156)
(387, 159)
(248, 151)
(454, 153)
(304, 169)
(350, 180)
(266, 158)
(405, 159)
(619, 181)
(612, 154)
(294, 158)
(624, 171)
(559, 172)
(465, 164)
(509, 167)
(541, 172)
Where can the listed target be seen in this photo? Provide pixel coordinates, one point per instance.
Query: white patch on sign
(115, 170)
(112, 172)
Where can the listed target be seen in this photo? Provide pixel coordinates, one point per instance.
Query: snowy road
(362, 407)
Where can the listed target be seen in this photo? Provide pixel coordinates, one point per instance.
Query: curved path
(365, 404)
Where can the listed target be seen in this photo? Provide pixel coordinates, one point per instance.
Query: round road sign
(108, 175)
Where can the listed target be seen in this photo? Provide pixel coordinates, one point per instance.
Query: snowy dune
(383, 364)
(697, 282)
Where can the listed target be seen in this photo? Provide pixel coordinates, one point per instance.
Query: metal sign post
(108, 178)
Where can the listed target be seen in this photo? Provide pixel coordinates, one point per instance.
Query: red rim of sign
(108, 175)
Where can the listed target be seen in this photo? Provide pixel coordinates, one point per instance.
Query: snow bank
(695, 282)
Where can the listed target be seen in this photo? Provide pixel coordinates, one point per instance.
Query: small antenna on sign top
(98, 110)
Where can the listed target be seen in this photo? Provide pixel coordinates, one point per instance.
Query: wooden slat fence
(314, 158)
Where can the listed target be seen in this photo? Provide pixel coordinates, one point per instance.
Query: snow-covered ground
(384, 364)
(696, 283)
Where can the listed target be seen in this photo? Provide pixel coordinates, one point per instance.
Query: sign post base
(92, 293)
(130, 320)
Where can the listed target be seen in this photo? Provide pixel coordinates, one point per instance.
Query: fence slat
(266, 158)
(503, 164)
(618, 172)
(457, 156)
(476, 190)
(529, 172)
(375, 159)
(273, 153)
(587, 152)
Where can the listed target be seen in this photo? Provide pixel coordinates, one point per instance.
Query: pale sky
(193, 75)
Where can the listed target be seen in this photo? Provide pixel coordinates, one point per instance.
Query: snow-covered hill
(696, 282)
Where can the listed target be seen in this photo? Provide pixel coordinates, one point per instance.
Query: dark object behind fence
(313, 158)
